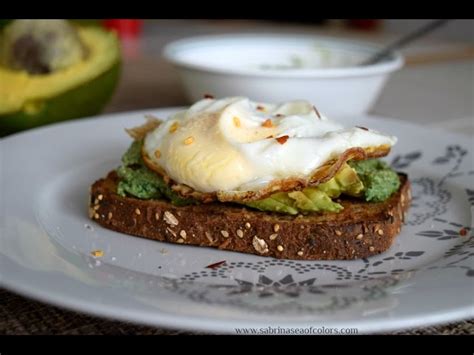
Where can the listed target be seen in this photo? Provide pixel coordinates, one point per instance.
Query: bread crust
(361, 230)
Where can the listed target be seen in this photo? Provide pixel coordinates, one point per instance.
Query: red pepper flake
(208, 96)
(365, 129)
(282, 139)
(463, 232)
(216, 265)
(317, 112)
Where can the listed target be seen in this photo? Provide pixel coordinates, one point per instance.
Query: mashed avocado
(379, 180)
(371, 179)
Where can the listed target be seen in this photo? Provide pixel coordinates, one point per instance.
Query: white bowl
(282, 67)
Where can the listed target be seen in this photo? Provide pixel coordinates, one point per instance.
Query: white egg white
(234, 144)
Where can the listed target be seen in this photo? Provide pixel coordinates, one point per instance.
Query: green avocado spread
(379, 180)
(371, 180)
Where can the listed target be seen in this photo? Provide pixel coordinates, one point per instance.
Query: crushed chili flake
(268, 123)
(208, 96)
(317, 112)
(365, 129)
(216, 265)
(463, 232)
(282, 139)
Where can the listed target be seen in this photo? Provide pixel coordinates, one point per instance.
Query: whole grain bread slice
(362, 229)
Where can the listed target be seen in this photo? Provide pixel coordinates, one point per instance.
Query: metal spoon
(404, 41)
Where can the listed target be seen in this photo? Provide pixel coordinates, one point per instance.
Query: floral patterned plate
(47, 240)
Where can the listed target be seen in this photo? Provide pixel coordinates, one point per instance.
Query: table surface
(436, 88)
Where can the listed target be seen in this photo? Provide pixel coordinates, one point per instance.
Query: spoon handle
(404, 40)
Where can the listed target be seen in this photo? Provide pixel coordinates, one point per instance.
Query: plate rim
(199, 323)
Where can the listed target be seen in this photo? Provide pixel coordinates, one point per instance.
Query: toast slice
(362, 229)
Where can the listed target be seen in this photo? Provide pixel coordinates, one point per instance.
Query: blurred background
(435, 86)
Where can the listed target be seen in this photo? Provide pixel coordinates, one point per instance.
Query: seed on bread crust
(172, 232)
(260, 245)
(360, 236)
(183, 233)
(276, 227)
(240, 233)
(247, 225)
(280, 248)
(224, 244)
(300, 253)
(371, 248)
(225, 234)
(137, 211)
(170, 218)
(273, 236)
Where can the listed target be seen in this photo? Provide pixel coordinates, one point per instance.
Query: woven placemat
(22, 316)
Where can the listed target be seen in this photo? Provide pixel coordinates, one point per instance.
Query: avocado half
(80, 90)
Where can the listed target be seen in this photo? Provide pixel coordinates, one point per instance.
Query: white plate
(47, 238)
